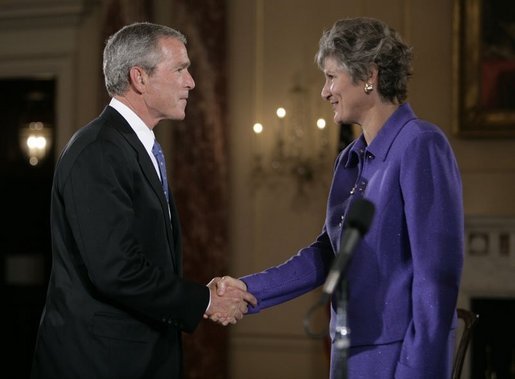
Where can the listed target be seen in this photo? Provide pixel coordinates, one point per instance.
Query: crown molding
(16, 14)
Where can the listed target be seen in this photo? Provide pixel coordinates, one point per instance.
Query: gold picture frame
(484, 68)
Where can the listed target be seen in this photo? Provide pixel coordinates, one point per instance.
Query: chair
(470, 320)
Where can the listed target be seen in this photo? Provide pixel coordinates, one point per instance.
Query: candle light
(258, 129)
(281, 114)
(323, 142)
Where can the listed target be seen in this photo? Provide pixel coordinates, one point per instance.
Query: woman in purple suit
(404, 275)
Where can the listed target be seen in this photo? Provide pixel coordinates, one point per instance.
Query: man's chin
(178, 116)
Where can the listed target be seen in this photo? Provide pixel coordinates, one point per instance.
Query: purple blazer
(404, 275)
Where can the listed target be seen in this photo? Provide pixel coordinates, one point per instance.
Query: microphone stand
(358, 222)
(342, 331)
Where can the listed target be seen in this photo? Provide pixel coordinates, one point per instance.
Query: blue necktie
(158, 153)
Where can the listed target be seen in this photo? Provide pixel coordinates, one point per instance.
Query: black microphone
(358, 221)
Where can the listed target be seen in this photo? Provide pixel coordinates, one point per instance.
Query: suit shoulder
(100, 130)
(421, 133)
(422, 128)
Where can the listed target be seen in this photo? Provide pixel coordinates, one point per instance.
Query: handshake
(229, 300)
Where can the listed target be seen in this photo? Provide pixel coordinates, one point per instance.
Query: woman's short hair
(359, 44)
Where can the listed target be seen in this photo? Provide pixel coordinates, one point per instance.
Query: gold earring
(368, 88)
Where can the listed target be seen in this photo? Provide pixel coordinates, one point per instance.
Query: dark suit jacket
(116, 302)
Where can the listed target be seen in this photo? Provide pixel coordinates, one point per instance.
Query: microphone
(358, 221)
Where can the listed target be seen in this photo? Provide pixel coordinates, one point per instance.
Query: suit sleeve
(118, 227)
(432, 191)
(301, 273)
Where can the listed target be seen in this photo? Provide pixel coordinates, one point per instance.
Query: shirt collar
(384, 139)
(144, 133)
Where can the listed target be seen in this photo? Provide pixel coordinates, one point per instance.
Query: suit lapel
(148, 169)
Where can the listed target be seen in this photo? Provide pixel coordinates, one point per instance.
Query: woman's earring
(368, 88)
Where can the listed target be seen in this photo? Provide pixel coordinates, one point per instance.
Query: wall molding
(20, 14)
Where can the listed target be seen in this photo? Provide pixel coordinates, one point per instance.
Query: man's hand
(229, 300)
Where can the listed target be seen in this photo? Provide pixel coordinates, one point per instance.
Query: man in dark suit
(117, 302)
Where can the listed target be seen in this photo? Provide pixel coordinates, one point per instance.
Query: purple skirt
(380, 362)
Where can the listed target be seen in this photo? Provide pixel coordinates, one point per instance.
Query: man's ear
(138, 78)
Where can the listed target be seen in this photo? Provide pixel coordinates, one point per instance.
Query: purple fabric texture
(404, 275)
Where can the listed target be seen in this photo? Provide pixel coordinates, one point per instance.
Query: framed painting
(484, 68)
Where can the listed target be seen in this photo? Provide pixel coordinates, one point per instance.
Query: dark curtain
(199, 173)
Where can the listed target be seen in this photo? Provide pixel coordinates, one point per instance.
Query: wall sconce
(35, 141)
(298, 144)
(35, 132)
